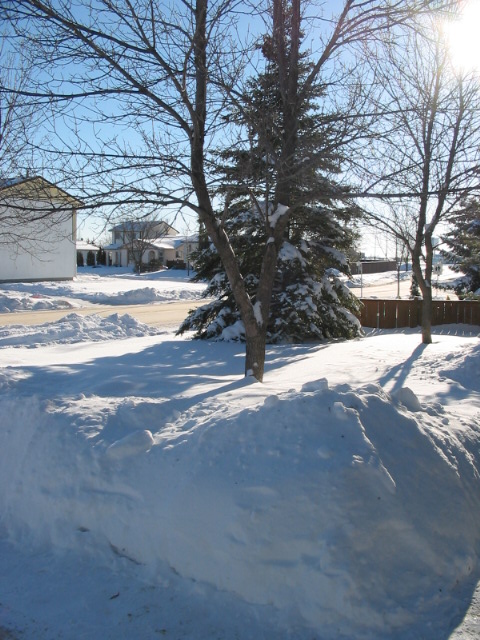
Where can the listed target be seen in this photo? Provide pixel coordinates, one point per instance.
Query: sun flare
(463, 37)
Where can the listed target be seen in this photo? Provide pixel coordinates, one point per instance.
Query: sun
(463, 37)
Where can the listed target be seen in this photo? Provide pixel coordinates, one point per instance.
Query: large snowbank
(350, 510)
(75, 328)
(169, 496)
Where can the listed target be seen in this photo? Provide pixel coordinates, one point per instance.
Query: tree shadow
(111, 396)
(400, 372)
(168, 370)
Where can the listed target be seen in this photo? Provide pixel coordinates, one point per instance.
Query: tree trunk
(427, 316)
(255, 332)
(255, 354)
(424, 282)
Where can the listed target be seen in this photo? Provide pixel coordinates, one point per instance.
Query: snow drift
(354, 512)
(147, 489)
(74, 328)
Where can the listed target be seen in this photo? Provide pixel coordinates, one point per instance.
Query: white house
(84, 248)
(151, 243)
(37, 231)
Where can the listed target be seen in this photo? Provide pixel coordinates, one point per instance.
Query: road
(390, 290)
(168, 315)
(386, 290)
(171, 314)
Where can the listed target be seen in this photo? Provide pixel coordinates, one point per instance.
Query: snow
(75, 328)
(289, 253)
(100, 285)
(447, 280)
(148, 489)
(257, 310)
(279, 212)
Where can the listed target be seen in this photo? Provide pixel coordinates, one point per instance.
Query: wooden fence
(393, 314)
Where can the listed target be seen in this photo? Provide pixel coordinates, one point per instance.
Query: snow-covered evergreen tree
(463, 244)
(309, 300)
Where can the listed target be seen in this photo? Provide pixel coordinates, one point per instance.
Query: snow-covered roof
(165, 242)
(182, 239)
(86, 246)
(10, 182)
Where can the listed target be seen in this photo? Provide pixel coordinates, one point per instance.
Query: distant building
(84, 248)
(373, 266)
(150, 242)
(37, 231)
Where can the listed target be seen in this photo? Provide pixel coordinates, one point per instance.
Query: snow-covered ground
(100, 285)
(119, 286)
(390, 283)
(148, 490)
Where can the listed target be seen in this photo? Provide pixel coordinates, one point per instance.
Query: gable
(37, 189)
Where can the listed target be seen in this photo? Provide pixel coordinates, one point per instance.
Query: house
(183, 247)
(37, 231)
(149, 243)
(84, 249)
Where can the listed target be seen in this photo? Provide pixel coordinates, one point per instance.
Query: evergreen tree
(80, 262)
(309, 301)
(101, 256)
(464, 247)
(414, 288)
(90, 259)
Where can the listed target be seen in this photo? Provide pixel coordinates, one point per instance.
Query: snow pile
(147, 489)
(144, 295)
(16, 301)
(349, 511)
(75, 328)
(464, 368)
(112, 287)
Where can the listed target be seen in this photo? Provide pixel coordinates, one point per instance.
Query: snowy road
(156, 315)
(390, 290)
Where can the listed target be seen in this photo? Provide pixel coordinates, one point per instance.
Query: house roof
(139, 225)
(179, 240)
(172, 242)
(165, 242)
(38, 188)
(86, 246)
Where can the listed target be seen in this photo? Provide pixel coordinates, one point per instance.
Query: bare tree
(165, 72)
(17, 119)
(24, 200)
(426, 157)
